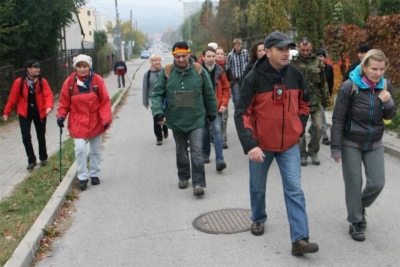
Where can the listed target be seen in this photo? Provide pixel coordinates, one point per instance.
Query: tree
(100, 39)
(40, 37)
(6, 10)
(389, 7)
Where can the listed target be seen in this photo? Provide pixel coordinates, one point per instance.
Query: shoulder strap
(72, 78)
(199, 69)
(148, 76)
(167, 70)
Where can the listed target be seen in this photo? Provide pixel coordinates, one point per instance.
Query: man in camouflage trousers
(313, 70)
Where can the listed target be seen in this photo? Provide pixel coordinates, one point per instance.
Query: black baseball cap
(31, 63)
(278, 39)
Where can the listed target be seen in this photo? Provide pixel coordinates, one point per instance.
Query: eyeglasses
(180, 56)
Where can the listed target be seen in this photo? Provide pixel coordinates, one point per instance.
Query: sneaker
(206, 160)
(257, 228)
(220, 166)
(31, 166)
(183, 184)
(83, 184)
(315, 159)
(326, 141)
(43, 163)
(303, 161)
(225, 146)
(198, 190)
(166, 135)
(356, 232)
(95, 180)
(159, 143)
(363, 223)
(303, 246)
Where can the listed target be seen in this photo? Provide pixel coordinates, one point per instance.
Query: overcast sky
(152, 16)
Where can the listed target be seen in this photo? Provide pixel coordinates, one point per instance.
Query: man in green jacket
(313, 70)
(190, 102)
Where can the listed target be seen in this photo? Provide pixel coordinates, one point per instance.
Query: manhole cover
(227, 221)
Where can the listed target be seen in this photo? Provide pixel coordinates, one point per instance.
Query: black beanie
(364, 48)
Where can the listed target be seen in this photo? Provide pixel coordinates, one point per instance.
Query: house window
(90, 23)
(88, 12)
(90, 32)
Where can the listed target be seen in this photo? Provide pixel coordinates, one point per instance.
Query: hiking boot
(356, 232)
(303, 161)
(326, 141)
(363, 223)
(95, 180)
(198, 190)
(183, 184)
(257, 228)
(225, 146)
(83, 184)
(43, 163)
(207, 160)
(315, 159)
(303, 246)
(159, 143)
(166, 135)
(31, 166)
(221, 166)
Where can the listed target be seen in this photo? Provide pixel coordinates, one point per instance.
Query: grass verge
(19, 211)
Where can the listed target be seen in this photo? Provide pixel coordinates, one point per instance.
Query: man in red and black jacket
(270, 116)
(120, 70)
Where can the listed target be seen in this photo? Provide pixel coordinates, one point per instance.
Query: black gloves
(159, 117)
(106, 125)
(60, 122)
(211, 118)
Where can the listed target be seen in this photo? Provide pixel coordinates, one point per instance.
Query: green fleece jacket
(189, 114)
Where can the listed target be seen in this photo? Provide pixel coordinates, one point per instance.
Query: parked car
(145, 54)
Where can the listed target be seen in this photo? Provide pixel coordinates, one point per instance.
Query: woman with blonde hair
(149, 81)
(356, 138)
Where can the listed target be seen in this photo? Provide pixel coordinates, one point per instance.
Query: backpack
(354, 92)
(73, 78)
(168, 68)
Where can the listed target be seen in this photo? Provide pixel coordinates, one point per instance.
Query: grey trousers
(356, 197)
(315, 134)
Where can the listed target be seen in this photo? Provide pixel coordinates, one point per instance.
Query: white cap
(213, 45)
(82, 58)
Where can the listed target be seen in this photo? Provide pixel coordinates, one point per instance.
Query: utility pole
(117, 32)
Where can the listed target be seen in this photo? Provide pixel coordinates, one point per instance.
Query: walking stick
(60, 154)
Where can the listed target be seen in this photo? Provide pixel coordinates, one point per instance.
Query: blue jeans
(195, 138)
(290, 169)
(217, 137)
(235, 91)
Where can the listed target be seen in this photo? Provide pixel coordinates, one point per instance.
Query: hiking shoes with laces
(257, 228)
(356, 232)
(303, 161)
(304, 246)
(363, 223)
(31, 166)
(315, 159)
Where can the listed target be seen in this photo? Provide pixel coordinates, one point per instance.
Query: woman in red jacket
(34, 99)
(85, 98)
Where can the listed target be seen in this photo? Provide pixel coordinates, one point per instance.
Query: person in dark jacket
(256, 52)
(120, 70)
(271, 114)
(34, 99)
(356, 139)
(362, 50)
(329, 79)
(150, 78)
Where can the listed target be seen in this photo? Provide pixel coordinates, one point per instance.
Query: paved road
(137, 216)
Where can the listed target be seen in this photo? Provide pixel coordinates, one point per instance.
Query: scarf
(368, 82)
(210, 68)
(84, 84)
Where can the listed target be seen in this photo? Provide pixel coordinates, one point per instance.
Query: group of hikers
(273, 99)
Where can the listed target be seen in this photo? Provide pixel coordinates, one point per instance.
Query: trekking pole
(60, 154)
